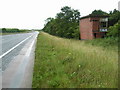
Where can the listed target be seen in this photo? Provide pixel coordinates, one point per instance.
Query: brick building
(93, 26)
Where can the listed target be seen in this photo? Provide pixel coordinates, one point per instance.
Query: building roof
(88, 16)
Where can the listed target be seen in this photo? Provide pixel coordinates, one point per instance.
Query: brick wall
(86, 29)
(95, 23)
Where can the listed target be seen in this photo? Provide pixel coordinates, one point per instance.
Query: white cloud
(32, 13)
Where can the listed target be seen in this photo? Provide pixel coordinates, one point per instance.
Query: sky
(31, 14)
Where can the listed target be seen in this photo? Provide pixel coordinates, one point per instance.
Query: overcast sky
(31, 14)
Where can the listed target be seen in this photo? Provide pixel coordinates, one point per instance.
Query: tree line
(11, 30)
(66, 23)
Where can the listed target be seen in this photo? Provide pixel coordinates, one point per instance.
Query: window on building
(103, 24)
(94, 20)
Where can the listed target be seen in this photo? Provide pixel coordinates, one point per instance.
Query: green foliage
(114, 17)
(3, 30)
(98, 12)
(114, 31)
(106, 43)
(65, 24)
(11, 30)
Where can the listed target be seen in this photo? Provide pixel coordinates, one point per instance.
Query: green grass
(110, 43)
(66, 63)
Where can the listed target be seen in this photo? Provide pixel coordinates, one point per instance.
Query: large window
(103, 24)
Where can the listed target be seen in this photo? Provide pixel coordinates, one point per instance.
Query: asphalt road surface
(17, 59)
(9, 51)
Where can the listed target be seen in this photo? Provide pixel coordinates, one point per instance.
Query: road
(8, 42)
(16, 55)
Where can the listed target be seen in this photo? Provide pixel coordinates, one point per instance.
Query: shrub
(114, 30)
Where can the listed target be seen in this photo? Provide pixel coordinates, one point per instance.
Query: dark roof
(102, 16)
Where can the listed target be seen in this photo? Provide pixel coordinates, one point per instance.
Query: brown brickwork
(90, 27)
(86, 29)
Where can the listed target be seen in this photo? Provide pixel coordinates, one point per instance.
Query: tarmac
(20, 71)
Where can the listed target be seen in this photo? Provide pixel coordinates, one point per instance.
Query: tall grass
(66, 63)
(110, 43)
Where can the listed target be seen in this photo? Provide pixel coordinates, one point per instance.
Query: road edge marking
(14, 47)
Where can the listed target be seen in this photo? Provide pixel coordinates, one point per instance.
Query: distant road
(11, 46)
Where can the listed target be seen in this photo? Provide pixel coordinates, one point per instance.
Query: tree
(114, 31)
(114, 17)
(65, 23)
(98, 12)
(3, 30)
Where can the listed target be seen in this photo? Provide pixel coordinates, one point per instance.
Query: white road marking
(16, 82)
(14, 47)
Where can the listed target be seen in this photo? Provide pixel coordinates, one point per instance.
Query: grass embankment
(66, 63)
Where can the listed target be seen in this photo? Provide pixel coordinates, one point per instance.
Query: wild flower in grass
(53, 48)
(73, 74)
(79, 65)
(99, 85)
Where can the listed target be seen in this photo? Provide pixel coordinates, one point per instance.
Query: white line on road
(14, 47)
(16, 82)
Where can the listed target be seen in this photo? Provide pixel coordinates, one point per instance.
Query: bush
(12, 30)
(113, 31)
(3, 30)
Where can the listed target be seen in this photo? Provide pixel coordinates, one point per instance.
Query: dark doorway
(94, 35)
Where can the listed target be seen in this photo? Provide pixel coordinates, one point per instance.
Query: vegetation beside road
(110, 43)
(6, 31)
(71, 63)
(67, 63)
(65, 24)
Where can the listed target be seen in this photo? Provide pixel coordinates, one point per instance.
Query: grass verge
(66, 63)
